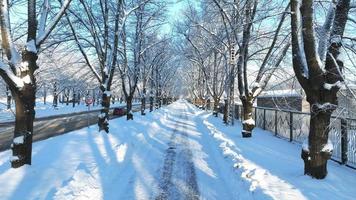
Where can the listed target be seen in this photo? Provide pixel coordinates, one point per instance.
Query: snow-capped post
(320, 76)
(18, 71)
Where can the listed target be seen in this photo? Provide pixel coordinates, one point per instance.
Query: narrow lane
(178, 179)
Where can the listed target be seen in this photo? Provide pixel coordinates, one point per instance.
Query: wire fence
(294, 126)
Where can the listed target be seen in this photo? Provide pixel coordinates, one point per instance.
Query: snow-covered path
(177, 152)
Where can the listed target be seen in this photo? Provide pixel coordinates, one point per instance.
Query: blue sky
(175, 13)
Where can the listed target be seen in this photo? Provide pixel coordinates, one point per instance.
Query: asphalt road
(53, 126)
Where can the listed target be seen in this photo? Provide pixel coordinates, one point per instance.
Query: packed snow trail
(175, 152)
(178, 180)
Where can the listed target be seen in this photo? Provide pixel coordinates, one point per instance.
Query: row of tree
(246, 41)
(118, 41)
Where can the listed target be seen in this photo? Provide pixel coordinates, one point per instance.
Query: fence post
(290, 126)
(275, 122)
(264, 119)
(256, 116)
(344, 141)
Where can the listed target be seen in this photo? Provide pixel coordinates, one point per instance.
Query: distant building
(282, 99)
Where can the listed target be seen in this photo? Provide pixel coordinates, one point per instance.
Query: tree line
(230, 43)
(118, 43)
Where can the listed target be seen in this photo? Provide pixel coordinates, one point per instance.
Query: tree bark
(216, 107)
(129, 115)
(8, 97)
(315, 160)
(25, 115)
(226, 111)
(151, 103)
(103, 121)
(247, 125)
(143, 102)
(55, 95)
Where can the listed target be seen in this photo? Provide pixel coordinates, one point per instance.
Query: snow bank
(273, 167)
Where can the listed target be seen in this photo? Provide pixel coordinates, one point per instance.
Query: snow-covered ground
(173, 152)
(45, 110)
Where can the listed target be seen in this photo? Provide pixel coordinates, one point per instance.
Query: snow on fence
(294, 126)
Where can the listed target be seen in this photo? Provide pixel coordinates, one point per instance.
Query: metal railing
(294, 126)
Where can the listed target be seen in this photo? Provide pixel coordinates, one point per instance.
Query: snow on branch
(7, 43)
(42, 37)
(9, 74)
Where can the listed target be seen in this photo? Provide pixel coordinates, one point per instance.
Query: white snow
(31, 46)
(335, 39)
(27, 79)
(305, 145)
(14, 158)
(108, 93)
(326, 106)
(249, 121)
(328, 147)
(329, 86)
(101, 115)
(280, 93)
(19, 139)
(127, 163)
(45, 110)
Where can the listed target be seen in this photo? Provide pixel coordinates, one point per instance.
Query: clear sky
(175, 13)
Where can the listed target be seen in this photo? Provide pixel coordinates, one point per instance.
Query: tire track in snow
(178, 179)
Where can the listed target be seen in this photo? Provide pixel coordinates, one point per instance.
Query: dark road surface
(53, 126)
(178, 179)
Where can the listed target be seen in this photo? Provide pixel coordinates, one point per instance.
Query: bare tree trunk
(248, 123)
(129, 115)
(44, 94)
(315, 160)
(143, 102)
(67, 96)
(226, 111)
(25, 115)
(151, 103)
(8, 97)
(55, 95)
(103, 121)
(216, 107)
(74, 96)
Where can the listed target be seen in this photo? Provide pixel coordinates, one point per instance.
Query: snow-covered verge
(46, 110)
(273, 167)
(86, 164)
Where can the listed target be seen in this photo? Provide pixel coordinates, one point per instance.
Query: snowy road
(47, 127)
(177, 152)
(178, 179)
